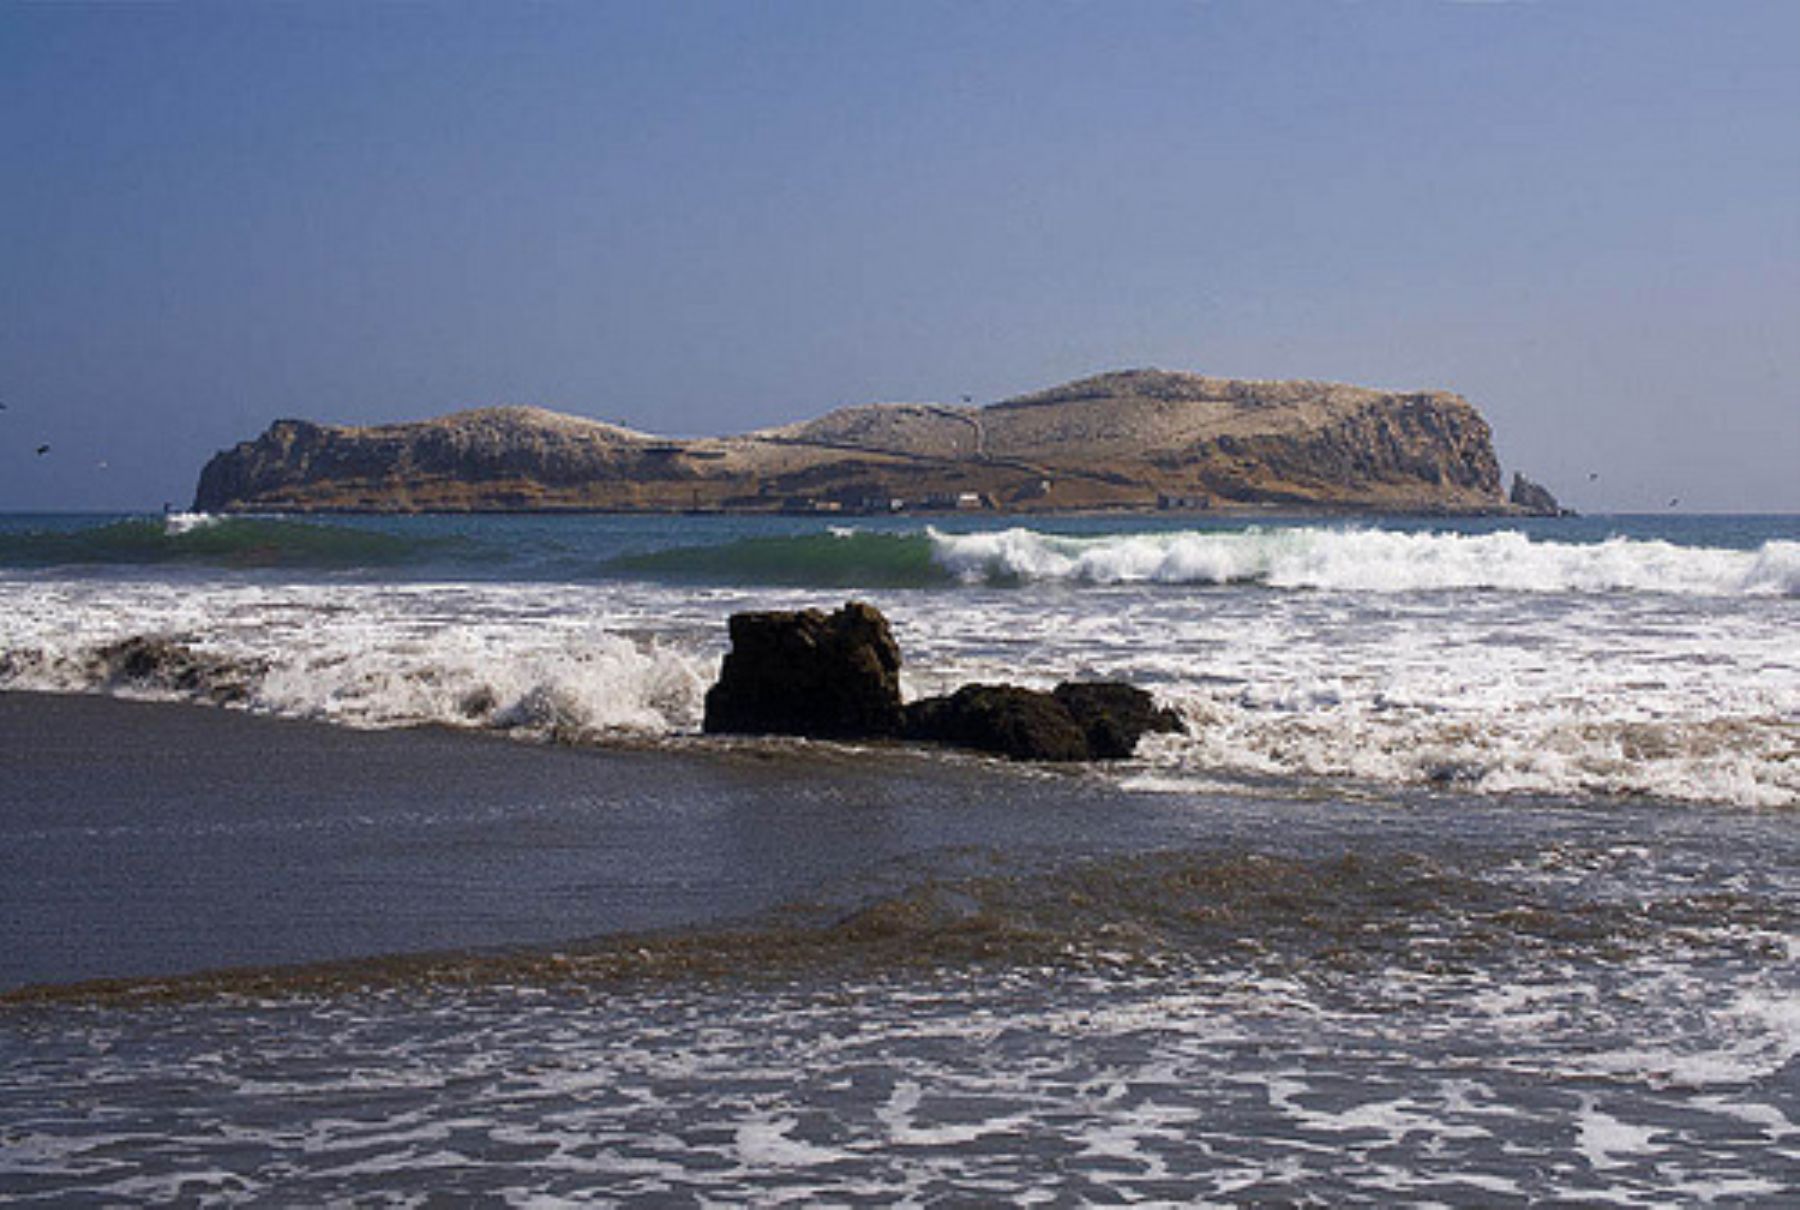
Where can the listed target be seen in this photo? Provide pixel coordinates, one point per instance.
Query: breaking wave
(1343, 559)
(1744, 760)
(1347, 560)
(1370, 560)
(351, 658)
(1498, 663)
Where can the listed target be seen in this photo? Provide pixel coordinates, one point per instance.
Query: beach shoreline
(789, 970)
(157, 840)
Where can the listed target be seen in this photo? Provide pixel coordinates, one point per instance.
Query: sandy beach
(154, 839)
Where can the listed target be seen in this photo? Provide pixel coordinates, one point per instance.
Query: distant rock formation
(837, 676)
(1533, 499)
(1135, 439)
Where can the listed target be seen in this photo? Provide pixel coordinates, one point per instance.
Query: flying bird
(42, 450)
(1674, 500)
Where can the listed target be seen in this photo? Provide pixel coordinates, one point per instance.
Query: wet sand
(151, 839)
(990, 979)
(145, 841)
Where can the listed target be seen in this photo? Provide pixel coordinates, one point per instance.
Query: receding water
(821, 974)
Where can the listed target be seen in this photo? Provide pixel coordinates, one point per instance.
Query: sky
(696, 218)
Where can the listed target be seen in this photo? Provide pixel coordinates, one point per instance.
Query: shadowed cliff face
(1419, 447)
(1125, 440)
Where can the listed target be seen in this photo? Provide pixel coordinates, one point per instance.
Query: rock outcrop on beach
(1113, 716)
(1134, 439)
(1006, 720)
(829, 676)
(151, 663)
(837, 676)
(1078, 720)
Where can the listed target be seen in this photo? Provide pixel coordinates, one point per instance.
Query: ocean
(381, 859)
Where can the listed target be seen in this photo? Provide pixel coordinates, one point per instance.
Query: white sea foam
(900, 1118)
(175, 524)
(766, 1141)
(359, 655)
(1776, 569)
(1372, 560)
(1602, 1139)
(1692, 697)
(912, 1090)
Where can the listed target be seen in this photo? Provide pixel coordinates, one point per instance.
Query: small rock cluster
(147, 662)
(1534, 498)
(837, 676)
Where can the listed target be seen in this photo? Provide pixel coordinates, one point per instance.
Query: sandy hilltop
(1136, 439)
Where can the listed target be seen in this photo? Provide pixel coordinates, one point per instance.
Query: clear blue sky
(705, 217)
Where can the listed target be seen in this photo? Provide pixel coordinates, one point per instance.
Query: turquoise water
(1600, 656)
(893, 551)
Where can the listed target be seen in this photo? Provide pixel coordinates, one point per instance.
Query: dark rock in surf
(837, 676)
(1095, 720)
(146, 662)
(1023, 724)
(829, 676)
(1114, 715)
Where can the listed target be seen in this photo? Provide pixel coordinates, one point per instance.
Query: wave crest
(1370, 560)
(576, 692)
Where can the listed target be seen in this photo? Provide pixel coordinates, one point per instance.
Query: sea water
(1475, 880)
(1640, 657)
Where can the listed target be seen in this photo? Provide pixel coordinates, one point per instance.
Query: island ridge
(1135, 439)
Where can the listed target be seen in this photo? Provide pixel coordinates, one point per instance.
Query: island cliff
(1134, 439)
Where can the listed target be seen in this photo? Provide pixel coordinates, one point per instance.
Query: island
(1134, 439)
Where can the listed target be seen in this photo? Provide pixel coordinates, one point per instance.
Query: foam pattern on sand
(1193, 1086)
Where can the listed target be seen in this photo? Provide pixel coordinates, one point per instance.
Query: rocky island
(1137, 439)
